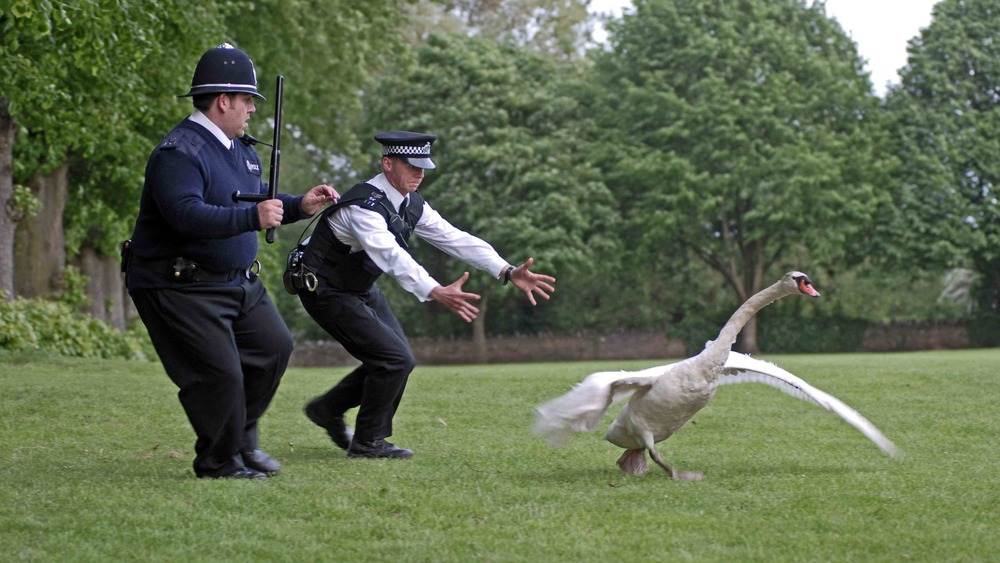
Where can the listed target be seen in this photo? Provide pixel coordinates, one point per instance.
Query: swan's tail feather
(740, 368)
(583, 407)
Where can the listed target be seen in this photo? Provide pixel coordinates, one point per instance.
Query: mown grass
(95, 465)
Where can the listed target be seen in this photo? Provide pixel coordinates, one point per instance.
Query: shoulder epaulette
(182, 139)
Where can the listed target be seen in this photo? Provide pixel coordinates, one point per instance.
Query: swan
(662, 399)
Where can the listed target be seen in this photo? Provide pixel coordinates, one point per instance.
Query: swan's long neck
(719, 349)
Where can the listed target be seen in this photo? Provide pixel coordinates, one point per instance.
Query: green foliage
(789, 328)
(328, 52)
(558, 28)
(97, 466)
(984, 331)
(885, 295)
(509, 154)
(73, 292)
(711, 146)
(738, 134)
(58, 328)
(92, 82)
(24, 203)
(850, 303)
(946, 119)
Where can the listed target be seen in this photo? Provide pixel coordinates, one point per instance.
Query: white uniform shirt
(203, 120)
(364, 229)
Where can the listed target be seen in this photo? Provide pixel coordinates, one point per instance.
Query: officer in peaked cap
(191, 269)
(354, 243)
(224, 69)
(414, 148)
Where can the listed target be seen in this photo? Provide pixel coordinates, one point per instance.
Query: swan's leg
(633, 462)
(678, 475)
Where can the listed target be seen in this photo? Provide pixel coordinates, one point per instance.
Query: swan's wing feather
(583, 406)
(740, 368)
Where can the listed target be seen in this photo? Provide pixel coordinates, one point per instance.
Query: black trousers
(226, 349)
(363, 323)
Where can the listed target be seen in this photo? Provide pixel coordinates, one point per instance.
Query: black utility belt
(183, 270)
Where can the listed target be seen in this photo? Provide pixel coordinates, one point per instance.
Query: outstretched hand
(318, 197)
(452, 297)
(531, 283)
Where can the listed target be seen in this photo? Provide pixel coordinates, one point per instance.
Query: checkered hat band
(406, 150)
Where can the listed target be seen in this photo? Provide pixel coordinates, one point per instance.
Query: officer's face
(236, 116)
(405, 178)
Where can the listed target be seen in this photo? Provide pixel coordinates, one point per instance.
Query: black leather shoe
(340, 433)
(377, 448)
(239, 473)
(258, 460)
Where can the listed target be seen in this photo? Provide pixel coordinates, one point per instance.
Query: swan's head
(797, 282)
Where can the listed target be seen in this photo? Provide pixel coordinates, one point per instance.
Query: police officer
(357, 240)
(192, 273)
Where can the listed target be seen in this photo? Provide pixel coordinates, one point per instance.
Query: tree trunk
(753, 284)
(109, 299)
(479, 331)
(39, 242)
(748, 337)
(8, 213)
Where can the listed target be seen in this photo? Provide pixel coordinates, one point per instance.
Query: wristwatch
(506, 274)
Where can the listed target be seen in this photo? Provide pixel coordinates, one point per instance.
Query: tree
(510, 159)
(739, 133)
(946, 116)
(81, 86)
(91, 86)
(559, 28)
(328, 53)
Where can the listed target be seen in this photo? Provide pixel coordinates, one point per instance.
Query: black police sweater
(187, 208)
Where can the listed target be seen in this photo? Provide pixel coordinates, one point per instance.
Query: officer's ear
(225, 101)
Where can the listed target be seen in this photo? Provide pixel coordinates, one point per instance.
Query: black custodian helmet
(224, 69)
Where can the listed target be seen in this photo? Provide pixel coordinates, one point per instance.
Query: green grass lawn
(95, 465)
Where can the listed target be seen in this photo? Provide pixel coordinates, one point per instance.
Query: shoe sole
(353, 455)
(261, 476)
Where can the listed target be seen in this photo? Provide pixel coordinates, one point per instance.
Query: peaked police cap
(413, 147)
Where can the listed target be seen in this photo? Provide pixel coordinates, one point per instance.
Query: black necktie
(402, 207)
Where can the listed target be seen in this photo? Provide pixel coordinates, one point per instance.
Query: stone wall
(509, 349)
(899, 337)
(618, 346)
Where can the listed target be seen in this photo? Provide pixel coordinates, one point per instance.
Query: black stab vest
(333, 260)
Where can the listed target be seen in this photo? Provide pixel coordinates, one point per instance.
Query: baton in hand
(272, 183)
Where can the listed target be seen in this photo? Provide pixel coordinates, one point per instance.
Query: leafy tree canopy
(87, 82)
(946, 116)
(559, 28)
(511, 165)
(738, 129)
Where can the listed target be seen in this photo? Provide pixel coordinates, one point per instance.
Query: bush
(789, 331)
(57, 328)
(984, 330)
(783, 328)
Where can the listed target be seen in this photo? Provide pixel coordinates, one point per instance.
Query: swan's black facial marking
(806, 286)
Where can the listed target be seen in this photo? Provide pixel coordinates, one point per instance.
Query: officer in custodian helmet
(191, 269)
(355, 242)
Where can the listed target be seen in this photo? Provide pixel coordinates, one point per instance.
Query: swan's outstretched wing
(741, 368)
(580, 409)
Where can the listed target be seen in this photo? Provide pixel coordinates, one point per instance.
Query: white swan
(664, 398)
